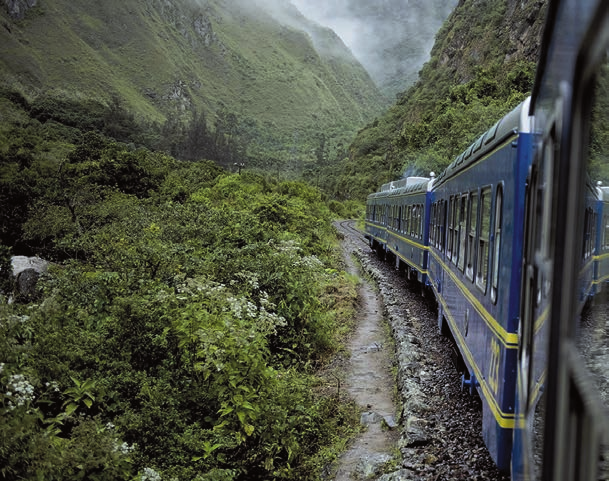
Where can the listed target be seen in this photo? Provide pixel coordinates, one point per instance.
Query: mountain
(282, 75)
(482, 64)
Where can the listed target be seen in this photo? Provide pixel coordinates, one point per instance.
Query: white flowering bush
(19, 391)
(179, 344)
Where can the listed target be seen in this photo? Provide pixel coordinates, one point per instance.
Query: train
(512, 240)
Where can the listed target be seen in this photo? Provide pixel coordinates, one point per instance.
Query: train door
(576, 433)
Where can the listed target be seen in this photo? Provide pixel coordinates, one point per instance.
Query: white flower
(124, 448)
(22, 390)
(150, 474)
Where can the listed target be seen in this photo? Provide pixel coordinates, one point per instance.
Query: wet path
(370, 382)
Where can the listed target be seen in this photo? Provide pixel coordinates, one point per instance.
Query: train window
(606, 230)
(443, 226)
(438, 224)
(432, 230)
(451, 226)
(437, 233)
(420, 221)
(399, 219)
(586, 234)
(471, 237)
(483, 242)
(455, 224)
(497, 243)
(462, 232)
(413, 216)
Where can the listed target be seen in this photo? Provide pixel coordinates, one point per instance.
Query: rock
(372, 465)
(370, 417)
(415, 433)
(21, 263)
(25, 284)
(27, 271)
(401, 475)
(17, 8)
(389, 422)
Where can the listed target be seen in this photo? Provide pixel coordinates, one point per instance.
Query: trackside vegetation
(177, 332)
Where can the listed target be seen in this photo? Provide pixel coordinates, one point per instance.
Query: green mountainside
(482, 65)
(167, 61)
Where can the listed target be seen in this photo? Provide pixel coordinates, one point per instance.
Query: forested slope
(482, 65)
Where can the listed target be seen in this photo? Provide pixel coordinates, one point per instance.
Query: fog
(391, 38)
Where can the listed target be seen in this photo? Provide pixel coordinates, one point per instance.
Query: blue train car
(587, 282)
(601, 256)
(397, 223)
(475, 262)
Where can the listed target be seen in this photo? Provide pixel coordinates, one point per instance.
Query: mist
(391, 38)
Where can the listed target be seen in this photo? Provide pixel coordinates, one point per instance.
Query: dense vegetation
(178, 329)
(482, 65)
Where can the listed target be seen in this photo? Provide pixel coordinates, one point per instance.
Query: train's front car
(564, 342)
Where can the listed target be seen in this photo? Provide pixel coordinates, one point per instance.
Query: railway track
(347, 228)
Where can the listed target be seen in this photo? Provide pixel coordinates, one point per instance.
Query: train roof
(511, 124)
(410, 185)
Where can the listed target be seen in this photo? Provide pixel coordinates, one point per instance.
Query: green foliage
(177, 333)
(6, 271)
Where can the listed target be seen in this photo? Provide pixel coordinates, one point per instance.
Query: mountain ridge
(169, 59)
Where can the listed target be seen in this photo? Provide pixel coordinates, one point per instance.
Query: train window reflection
(593, 327)
(471, 239)
(483, 251)
(462, 232)
(497, 242)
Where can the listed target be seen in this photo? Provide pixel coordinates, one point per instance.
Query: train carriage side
(407, 238)
(587, 274)
(376, 221)
(475, 266)
(403, 231)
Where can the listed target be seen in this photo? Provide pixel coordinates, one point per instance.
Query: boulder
(26, 272)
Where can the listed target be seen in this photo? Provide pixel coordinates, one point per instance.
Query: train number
(494, 366)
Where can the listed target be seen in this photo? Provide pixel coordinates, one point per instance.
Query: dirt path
(370, 382)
